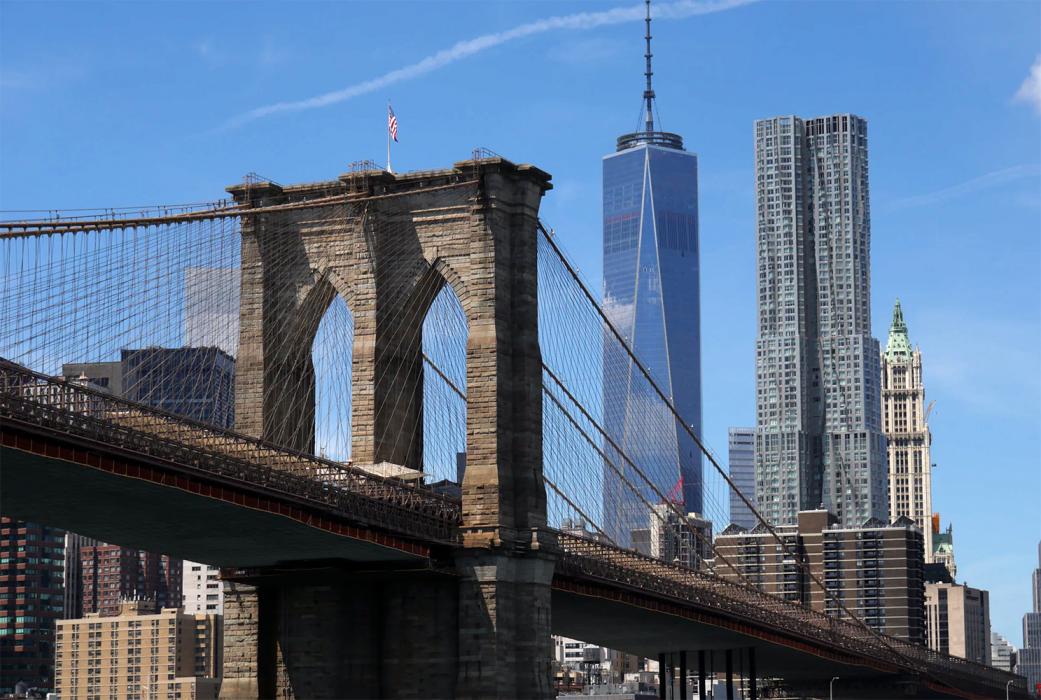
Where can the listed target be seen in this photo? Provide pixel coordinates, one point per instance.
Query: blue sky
(139, 103)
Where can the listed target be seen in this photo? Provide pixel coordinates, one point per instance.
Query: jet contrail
(469, 47)
(1016, 172)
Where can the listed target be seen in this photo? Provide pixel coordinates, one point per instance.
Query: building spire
(899, 343)
(898, 318)
(648, 93)
(648, 136)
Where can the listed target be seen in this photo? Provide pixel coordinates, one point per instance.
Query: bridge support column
(753, 691)
(683, 676)
(250, 653)
(344, 636)
(504, 625)
(702, 691)
(730, 673)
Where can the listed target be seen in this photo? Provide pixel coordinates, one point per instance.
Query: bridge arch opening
(445, 333)
(332, 353)
(308, 351)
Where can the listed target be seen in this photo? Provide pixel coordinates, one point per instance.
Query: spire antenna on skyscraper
(648, 135)
(648, 93)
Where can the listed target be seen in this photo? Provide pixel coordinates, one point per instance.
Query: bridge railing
(94, 418)
(599, 560)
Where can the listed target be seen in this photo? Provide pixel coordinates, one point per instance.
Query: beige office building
(138, 655)
(957, 621)
(905, 423)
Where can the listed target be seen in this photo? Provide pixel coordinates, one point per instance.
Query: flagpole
(389, 170)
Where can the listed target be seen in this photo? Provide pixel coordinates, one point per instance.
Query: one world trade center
(651, 295)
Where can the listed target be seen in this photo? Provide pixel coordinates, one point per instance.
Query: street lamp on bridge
(831, 688)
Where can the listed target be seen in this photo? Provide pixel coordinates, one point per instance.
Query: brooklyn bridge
(412, 485)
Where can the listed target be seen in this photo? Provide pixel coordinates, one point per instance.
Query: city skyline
(926, 202)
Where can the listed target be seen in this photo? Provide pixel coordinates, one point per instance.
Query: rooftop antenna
(648, 94)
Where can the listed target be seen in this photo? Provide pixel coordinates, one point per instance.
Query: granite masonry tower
(483, 631)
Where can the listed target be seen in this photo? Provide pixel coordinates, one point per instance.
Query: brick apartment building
(112, 574)
(875, 570)
(31, 601)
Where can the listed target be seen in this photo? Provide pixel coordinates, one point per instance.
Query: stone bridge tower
(386, 245)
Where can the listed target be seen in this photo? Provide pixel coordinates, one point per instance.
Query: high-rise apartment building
(31, 601)
(197, 383)
(1028, 661)
(1036, 582)
(819, 434)
(139, 654)
(1002, 653)
(1028, 665)
(957, 621)
(742, 472)
(194, 382)
(113, 574)
(905, 422)
(685, 540)
(651, 295)
(201, 588)
(73, 573)
(874, 570)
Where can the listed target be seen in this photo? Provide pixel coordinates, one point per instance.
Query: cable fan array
(159, 305)
(614, 467)
(151, 313)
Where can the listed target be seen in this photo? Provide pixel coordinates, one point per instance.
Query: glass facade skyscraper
(651, 294)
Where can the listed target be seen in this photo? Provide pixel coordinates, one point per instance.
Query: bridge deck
(801, 642)
(224, 498)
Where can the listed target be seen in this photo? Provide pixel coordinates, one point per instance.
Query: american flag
(392, 123)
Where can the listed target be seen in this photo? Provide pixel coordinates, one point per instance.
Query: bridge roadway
(83, 460)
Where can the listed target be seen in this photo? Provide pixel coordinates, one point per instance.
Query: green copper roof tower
(899, 344)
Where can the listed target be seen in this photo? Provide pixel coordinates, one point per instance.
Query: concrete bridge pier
(482, 631)
(505, 648)
(354, 637)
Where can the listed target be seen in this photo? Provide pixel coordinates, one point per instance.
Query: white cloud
(976, 184)
(1030, 90)
(469, 47)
